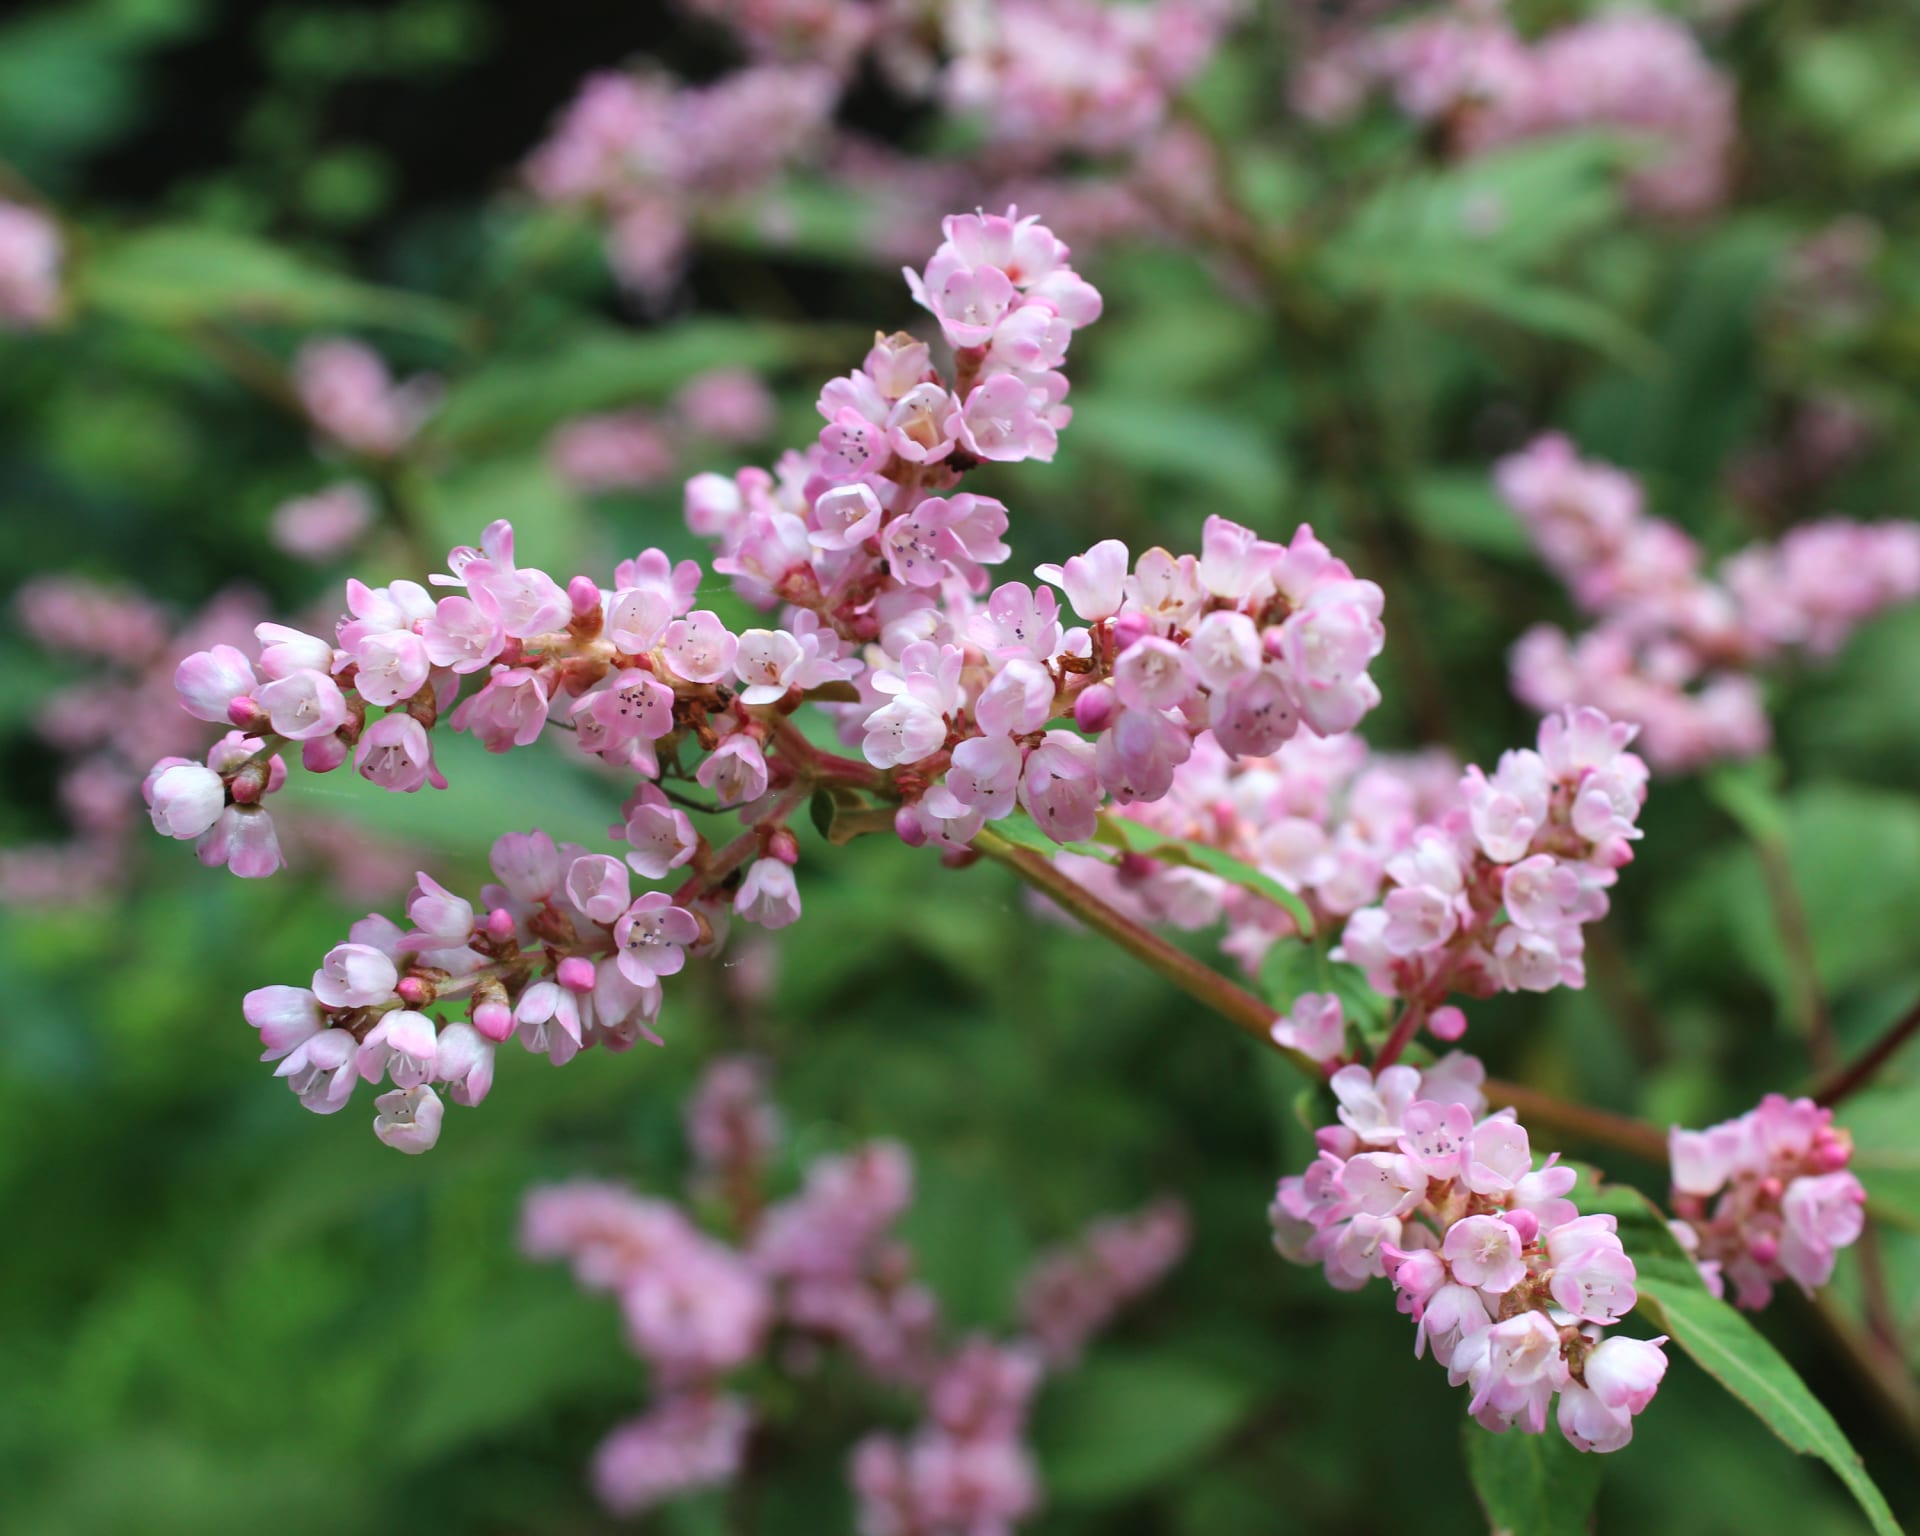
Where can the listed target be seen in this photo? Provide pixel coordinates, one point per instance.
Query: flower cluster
(323, 526)
(1435, 882)
(653, 156)
(1507, 1282)
(1465, 70)
(1077, 75)
(636, 449)
(874, 563)
(560, 953)
(30, 254)
(819, 1271)
(353, 401)
(1766, 1197)
(1494, 898)
(1674, 650)
(108, 724)
(1074, 1292)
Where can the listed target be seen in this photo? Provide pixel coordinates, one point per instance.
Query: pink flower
(699, 647)
(769, 895)
(243, 840)
(304, 705)
(287, 1017)
(1484, 1251)
(598, 886)
(402, 1045)
(1060, 787)
(30, 254)
(527, 864)
(209, 681)
(323, 526)
(408, 1119)
(660, 836)
(1094, 582)
(1315, 1026)
(653, 935)
(186, 800)
(463, 1059)
(509, 712)
(320, 1070)
(736, 771)
(355, 976)
(395, 753)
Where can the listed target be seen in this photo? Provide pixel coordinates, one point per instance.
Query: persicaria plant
(1148, 739)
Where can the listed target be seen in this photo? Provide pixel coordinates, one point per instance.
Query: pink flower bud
(908, 827)
(494, 1021)
(208, 682)
(584, 595)
(576, 973)
(1447, 1023)
(1093, 708)
(186, 800)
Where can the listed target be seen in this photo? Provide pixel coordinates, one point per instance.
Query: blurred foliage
(220, 1314)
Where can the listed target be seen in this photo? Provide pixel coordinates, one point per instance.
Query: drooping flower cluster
(1674, 649)
(1511, 1287)
(353, 400)
(636, 449)
(818, 1271)
(1766, 1197)
(30, 256)
(654, 156)
(1074, 1292)
(1464, 69)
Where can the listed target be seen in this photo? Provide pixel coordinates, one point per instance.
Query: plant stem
(1401, 1036)
(1254, 1017)
(1863, 1069)
(1796, 943)
(1201, 982)
(1582, 1122)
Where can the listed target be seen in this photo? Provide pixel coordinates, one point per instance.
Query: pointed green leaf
(1726, 1346)
(185, 273)
(1532, 1485)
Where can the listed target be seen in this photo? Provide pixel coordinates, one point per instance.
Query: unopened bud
(1093, 709)
(493, 1020)
(907, 827)
(576, 973)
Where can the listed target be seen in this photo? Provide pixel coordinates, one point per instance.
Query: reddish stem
(1861, 1071)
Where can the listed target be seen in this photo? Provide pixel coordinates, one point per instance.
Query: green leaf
(1291, 967)
(519, 399)
(1022, 831)
(1726, 1346)
(1532, 1485)
(1463, 509)
(1184, 442)
(1749, 792)
(1136, 838)
(1121, 1425)
(186, 273)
